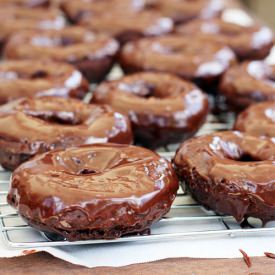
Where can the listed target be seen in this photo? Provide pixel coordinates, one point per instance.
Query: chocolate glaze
(129, 19)
(93, 54)
(15, 19)
(32, 126)
(231, 173)
(248, 83)
(182, 11)
(248, 42)
(125, 190)
(178, 55)
(25, 3)
(258, 119)
(40, 78)
(163, 108)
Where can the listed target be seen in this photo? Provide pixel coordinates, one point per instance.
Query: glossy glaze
(230, 173)
(32, 126)
(91, 53)
(163, 108)
(117, 190)
(258, 119)
(40, 78)
(128, 20)
(175, 54)
(248, 42)
(248, 83)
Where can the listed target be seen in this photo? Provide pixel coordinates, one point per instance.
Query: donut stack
(66, 129)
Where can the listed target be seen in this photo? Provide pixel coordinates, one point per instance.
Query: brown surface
(42, 263)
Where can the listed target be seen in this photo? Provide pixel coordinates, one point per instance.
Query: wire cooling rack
(186, 218)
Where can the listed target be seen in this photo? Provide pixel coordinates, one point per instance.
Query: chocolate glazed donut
(93, 54)
(178, 55)
(32, 126)
(129, 19)
(40, 78)
(248, 83)
(258, 119)
(15, 19)
(117, 190)
(248, 42)
(163, 108)
(231, 173)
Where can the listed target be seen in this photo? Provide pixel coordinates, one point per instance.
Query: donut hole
(62, 118)
(143, 89)
(13, 199)
(247, 158)
(47, 41)
(87, 171)
(39, 74)
(138, 88)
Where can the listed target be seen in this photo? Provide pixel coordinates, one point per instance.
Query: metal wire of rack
(192, 219)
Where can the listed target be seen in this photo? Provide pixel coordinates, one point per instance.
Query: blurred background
(264, 9)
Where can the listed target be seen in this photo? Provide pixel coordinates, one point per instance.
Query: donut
(248, 42)
(128, 20)
(182, 11)
(231, 173)
(15, 19)
(248, 83)
(258, 120)
(25, 3)
(93, 54)
(163, 108)
(33, 126)
(117, 190)
(178, 55)
(24, 78)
